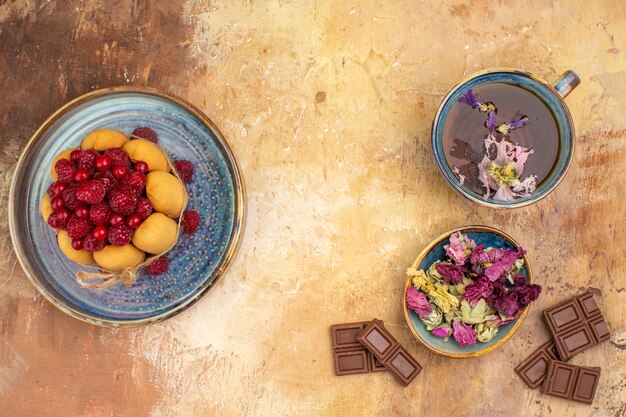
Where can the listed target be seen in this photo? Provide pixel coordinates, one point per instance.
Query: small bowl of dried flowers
(468, 292)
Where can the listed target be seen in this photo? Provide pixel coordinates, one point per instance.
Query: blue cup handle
(566, 83)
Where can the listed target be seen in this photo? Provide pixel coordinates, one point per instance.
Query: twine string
(97, 278)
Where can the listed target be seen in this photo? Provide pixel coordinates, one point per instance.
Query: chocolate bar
(351, 357)
(577, 383)
(377, 339)
(576, 324)
(534, 368)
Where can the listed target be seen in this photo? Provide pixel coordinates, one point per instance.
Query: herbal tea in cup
(504, 138)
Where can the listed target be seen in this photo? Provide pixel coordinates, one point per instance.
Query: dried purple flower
(443, 331)
(500, 171)
(469, 98)
(481, 288)
(504, 264)
(460, 248)
(505, 128)
(417, 301)
(526, 294)
(482, 256)
(463, 333)
(491, 120)
(450, 273)
(498, 291)
(518, 280)
(507, 305)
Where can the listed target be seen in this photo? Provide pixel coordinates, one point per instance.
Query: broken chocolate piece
(534, 368)
(577, 383)
(351, 357)
(377, 339)
(576, 324)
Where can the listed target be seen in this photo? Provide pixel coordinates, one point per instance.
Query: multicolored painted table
(327, 106)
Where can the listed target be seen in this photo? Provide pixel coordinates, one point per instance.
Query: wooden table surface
(328, 106)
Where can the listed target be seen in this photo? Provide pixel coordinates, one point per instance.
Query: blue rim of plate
(222, 259)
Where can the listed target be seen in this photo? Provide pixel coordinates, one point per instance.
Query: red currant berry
(58, 188)
(103, 163)
(57, 203)
(75, 155)
(82, 175)
(120, 172)
(133, 221)
(77, 244)
(100, 232)
(81, 212)
(116, 219)
(141, 166)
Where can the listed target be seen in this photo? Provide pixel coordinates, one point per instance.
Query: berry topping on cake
(120, 235)
(185, 170)
(65, 170)
(146, 133)
(99, 213)
(91, 192)
(118, 157)
(77, 227)
(122, 200)
(158, 266)
(191, 220)
(91, 244)
(144, 208)
(87, 160)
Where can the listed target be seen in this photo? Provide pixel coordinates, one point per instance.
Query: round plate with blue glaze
(435, 251)
(196, 262)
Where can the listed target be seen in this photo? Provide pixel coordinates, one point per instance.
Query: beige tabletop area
(327, 106)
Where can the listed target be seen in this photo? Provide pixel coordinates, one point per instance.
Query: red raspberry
(59, 219)
(51, 192)
(99, 213)
(158, 266)
(146, 133)
(107, 179)
(118, 157)
(185, 170)
(91, 192)
(120, 235)
(144, 208)
(77, 227)
(136, 181)
(87, 160)
(122, 200)
(65, 170)
(191, 220)
(91, 244)
(69, 197)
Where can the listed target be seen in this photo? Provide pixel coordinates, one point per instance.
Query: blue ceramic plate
(196, 261)
(436, 252)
